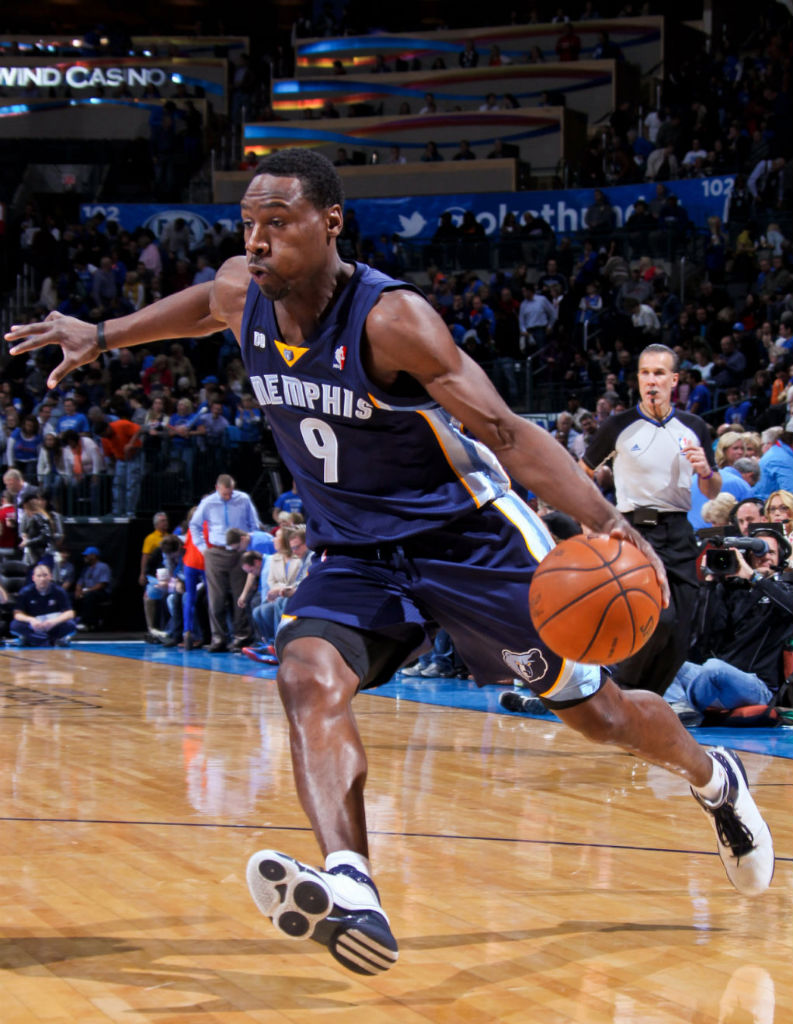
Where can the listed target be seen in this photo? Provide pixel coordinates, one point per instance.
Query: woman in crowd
(281, 573)
(50, 468)
(39, 531)
(779, 509)
(22, 450)
(717, 511)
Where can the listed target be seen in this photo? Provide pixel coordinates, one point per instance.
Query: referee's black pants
(656, 664)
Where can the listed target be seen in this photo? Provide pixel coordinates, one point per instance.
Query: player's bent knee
(601, 719)
(310, 685)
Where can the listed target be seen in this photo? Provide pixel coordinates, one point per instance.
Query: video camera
(721, 560)
(720, 557)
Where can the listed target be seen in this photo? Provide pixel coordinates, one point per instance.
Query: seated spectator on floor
(151, 542)
(163, 574)
(63, 570)
(194, 586)
(442, 662)
(43, 614)
(288, 565)
(93, 588)
(255, 540)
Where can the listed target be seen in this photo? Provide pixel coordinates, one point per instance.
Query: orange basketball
(595, 600)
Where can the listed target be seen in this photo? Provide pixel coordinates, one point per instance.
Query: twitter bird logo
(412, 225)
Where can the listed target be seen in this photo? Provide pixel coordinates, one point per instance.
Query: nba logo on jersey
(259, 339)
(340, 357)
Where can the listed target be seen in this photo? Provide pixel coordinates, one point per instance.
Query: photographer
(745, 616)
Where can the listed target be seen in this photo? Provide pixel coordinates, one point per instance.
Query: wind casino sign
(80, 76)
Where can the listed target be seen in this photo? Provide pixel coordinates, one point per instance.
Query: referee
(656, 450)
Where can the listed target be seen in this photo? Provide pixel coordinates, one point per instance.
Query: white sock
(713, 790)
(355, 860)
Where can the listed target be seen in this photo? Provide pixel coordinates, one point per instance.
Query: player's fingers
(19, 332)
(663, 582)
(27, 346)
(628, 533)
(60, 371)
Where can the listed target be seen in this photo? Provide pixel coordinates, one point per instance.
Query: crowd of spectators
(179, 408)
(571, 314)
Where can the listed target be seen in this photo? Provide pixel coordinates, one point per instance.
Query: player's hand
(76, 339)
(624, 531)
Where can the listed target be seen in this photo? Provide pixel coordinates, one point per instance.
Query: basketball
(595, 600)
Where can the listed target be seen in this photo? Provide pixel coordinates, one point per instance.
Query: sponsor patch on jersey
(531, 665)
(290, 353)
(340, 357)
(259, 339)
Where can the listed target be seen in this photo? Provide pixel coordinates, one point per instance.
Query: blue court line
(450, 693)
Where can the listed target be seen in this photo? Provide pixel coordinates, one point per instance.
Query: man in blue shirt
(287, 501)
(699, 397)
(221, 510)
(181, 431)
(72, 419)
(248, 420)
(43, 616)
(776, 466)
(93, 588)
(737, 411)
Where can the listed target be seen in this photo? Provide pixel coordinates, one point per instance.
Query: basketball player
(414, 524)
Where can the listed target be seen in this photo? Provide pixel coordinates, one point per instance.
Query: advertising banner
(415, 218)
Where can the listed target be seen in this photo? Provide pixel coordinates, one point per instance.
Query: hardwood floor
(527, 876)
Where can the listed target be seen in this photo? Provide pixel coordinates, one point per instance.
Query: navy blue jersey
(369, 465)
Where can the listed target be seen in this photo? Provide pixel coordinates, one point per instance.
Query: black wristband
(101, 340)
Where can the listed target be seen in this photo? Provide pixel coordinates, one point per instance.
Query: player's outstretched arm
(193, 312)
(405, 334)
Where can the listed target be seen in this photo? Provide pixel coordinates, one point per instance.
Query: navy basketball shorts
(470, 576)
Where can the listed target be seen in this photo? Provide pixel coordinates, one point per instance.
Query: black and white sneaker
(339, 908)
(743, 839)
(514, 700)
